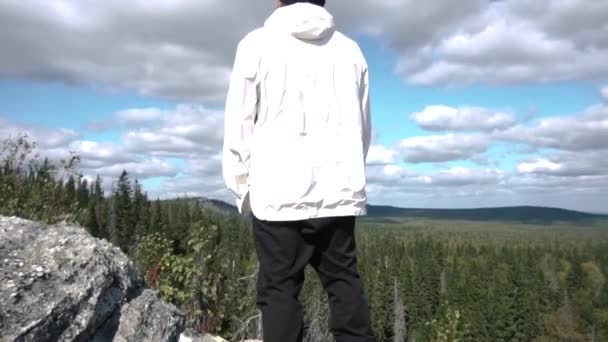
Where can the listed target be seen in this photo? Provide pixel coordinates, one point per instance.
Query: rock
(191, 336)
(148, 318)
(57, 283)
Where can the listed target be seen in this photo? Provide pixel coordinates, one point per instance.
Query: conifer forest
(425, 279)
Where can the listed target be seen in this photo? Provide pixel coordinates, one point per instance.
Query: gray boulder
(192, 336)
(148, 318)
(57, 283)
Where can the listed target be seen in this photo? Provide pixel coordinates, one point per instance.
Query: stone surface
(148, 318)
(191, 336)
(57, 283)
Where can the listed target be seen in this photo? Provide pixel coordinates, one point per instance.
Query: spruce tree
(123, 212)
(83, 195)
(140, 211)
(158, 222)
(69, 192)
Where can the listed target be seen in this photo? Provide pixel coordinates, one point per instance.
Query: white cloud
(379, 154)
(389, 174)
(176, 51)
(444, 118)
(140, 116)
(183, 50)
(538, 165)
(92, 152)
(453, 187)
(43, 136)
(404, 180)
(585, 131)
(142, 169)
(567, 164)
(201, 177)
(184, 131)
(463, 187)
(442, 148)
(191, 134)
(107, 159)
(604, 93)
(462, 176)
(506, 53)
(515, 42)
(577, 179)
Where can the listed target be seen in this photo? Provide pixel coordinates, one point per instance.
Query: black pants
(328, 244)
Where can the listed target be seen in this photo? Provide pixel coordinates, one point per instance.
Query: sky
(475, 103)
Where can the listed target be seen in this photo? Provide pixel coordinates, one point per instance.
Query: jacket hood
(304, 21)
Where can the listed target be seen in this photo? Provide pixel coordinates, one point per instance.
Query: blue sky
(474, 104)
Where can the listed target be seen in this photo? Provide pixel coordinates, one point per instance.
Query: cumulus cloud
(604, 93)
(386, 19)
(385, 175)
(585, 192)
(462, 176)
(576, 179)
(442, 148)
(567, 164)
(180, 145)
(450, 187)
(585, 131)
(462, 187)
(142, 169)
(107, 159)
(43, 136)
(381, 155)
(516, 42)
(184, 50)
(398, 176)
(201, 177)
(539, 165)
(99, 154)
(186, 130)
(444, 118)
(176, 50)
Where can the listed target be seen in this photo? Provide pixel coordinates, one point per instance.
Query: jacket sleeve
(239, 121)
(366, 120)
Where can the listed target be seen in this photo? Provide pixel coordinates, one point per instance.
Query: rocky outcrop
(145, 318)
(57, 283)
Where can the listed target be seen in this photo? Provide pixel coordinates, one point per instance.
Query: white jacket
(297, 119)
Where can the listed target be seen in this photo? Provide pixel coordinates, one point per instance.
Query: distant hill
(530, 214)
(218, 205)
(209, 204)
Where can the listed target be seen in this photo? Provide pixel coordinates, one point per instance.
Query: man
(297, 132)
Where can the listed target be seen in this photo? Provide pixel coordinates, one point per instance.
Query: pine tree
(123, 212)
(98, 216)
(91, 221)
(83, 194)
(69, 191)
(158, 222)
(140, 212)
(98, 189)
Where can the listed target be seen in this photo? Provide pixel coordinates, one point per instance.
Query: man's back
(297, 133)
(311, 128)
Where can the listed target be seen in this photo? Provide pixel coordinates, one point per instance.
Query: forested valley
(426, 280)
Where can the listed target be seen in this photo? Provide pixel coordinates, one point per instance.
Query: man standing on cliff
(297, 132)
